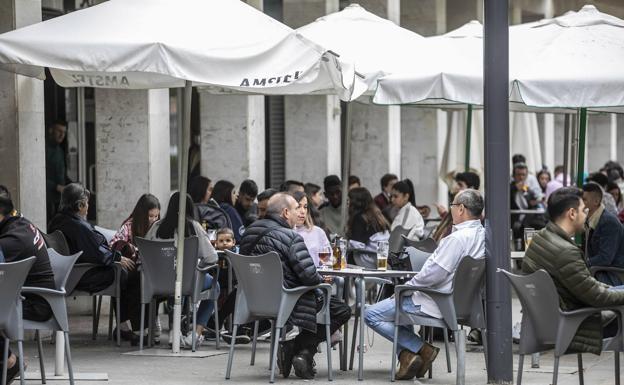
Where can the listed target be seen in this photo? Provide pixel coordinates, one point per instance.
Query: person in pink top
(314, 237)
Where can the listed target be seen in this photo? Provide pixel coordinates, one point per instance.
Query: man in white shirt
(467, 239)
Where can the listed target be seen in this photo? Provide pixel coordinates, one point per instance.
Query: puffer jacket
(297, 264)
(552, 250)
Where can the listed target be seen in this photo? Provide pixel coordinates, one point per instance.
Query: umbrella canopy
(161, 43)
(377, 46)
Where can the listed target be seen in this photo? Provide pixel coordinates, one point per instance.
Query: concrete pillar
(22, 132)
(232, 137)
(312, 123)
(132, 151)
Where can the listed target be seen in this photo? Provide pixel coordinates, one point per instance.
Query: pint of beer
(382, 255)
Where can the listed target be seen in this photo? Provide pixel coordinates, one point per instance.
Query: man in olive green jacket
(553, 250)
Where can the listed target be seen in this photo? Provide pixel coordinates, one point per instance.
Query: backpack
(213, 215)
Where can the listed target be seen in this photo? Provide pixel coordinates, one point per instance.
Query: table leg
(362, 289)
(345, 333)
(230, 288)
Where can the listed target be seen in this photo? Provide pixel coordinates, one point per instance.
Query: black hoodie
(20, 239)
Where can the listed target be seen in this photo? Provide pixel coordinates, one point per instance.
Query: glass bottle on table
(342, 245)
(337, 257)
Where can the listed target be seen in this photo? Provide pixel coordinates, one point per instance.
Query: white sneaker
(187, 342)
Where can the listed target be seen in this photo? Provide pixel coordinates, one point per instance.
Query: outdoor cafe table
(359, 274)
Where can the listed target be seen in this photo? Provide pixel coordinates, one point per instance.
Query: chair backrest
(396, 240)
(365, 258)
(107, 233)
(56, 241)
(428, 245)
(417, 257)
(61, 267)
(12, 277)
(467, 285)
(260, 283)
(158, 260)
(540, 303)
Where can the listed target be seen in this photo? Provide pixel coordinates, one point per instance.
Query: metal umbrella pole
(182, 181)
(497, 220)
(566, 148)
(580, 170)
(468, 138)
(346, 167)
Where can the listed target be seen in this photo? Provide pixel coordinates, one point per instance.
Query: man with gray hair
(275, 232)
(467, 238)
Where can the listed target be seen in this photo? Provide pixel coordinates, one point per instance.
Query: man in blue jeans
(467, 239)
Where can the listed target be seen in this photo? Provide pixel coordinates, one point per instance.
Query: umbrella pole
(468, 138)
(346, 167)
(182, 180)
(580, 171)
(566, 148)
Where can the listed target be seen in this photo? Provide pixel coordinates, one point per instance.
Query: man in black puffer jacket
(275, 233)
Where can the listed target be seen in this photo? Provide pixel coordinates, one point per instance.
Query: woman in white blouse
(314, 237)
(408, 217)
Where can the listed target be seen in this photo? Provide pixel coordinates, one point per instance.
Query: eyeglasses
(455, 204)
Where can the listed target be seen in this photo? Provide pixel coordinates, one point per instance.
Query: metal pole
(468, 137)
(497, 221)
(59, 356)
(346, 167)
(566, 148)
(580, 170)
(184, 148)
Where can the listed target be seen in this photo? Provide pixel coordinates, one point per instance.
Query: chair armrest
(403, 290)
(361, 251)
(208, 268)
(594, 269)
(378, 280)
(41, 291)
(587, 311)
(304, 289)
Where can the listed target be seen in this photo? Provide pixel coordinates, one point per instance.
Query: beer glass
(528, 236)
(382, 255)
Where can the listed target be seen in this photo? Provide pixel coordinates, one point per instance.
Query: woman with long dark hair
(366, 224)
(145, 213)
(200, 189)
(166, 229)
(225, 195)
(408, 216)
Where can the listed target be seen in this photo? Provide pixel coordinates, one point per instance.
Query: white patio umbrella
(143, 44)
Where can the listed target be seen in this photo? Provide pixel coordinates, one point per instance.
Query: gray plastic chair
(397, 239)
(545, 326)
(461, 306)
(61, 267)
(158, 277)
(428, 245)
(12, 277)
(56, 241)
(261, 295)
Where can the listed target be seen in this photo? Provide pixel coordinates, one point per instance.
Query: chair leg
(5, 360)
(430, 339)
(394, 352)
(118, 319)
(70, 368)
(141, 327)
(485, 348)
(580, 369)
(216, 318)
(110, 319)
(273, 337)
(98, 314)
(555, 371)
(356, 319)
(231, 355)
(330, 374)
(150, 324)
(460, 347)
(253, 343)
(274, 355)
(20, 349)
(520, 364)
(617, 367)
(94, 317)
(535, 360)
(194, 331)
(446, 350)
(40, 349)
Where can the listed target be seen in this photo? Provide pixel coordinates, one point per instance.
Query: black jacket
(605, 247)
(20, 239)
(297, 265)
(82, 236)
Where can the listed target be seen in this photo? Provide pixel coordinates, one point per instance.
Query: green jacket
(552, 250)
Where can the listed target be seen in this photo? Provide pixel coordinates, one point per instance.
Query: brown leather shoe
(428, 353)
(409, 363)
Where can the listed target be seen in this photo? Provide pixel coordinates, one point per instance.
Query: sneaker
(285, 353)
(209, 334)
(474, 336)
(336, 337)
(239, 340)
(303, 363)
(187, 341)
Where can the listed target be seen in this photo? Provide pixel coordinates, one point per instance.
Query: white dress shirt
(409, 218)
(467, 239)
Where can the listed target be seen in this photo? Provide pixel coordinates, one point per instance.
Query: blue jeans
(380, 318)
(206, 307)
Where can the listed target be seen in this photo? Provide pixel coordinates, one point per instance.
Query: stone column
(312, 123)
(132, 151)
(232, 137)
(22, 131)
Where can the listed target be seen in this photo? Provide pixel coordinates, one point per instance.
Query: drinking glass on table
(528, 236)
(325, 257)
(382, 255)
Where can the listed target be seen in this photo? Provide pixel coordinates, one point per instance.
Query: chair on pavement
(158, 276)
(463, 305)
(397, 239)
(261, 295)
(428, 245)
(56, 241)
(61, 267)
(12, 277)
(545, 326)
